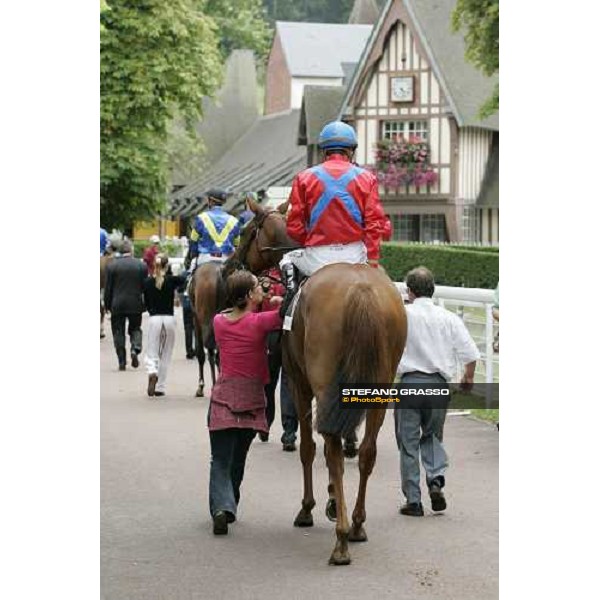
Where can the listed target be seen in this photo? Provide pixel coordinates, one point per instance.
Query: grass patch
(487, 414)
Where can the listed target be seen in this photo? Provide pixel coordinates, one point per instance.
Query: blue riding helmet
(337, 135)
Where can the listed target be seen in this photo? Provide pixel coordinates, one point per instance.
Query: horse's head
(264, 239)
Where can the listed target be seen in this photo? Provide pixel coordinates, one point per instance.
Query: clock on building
(402, 89)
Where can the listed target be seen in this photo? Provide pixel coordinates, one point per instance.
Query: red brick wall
(278, 95)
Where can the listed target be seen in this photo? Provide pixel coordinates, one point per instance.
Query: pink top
(242, 344)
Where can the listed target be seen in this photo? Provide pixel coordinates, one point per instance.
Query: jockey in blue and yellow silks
(216, 233)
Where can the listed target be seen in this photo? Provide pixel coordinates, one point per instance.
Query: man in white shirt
(436, 339)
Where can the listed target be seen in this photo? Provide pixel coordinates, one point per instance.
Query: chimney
(364, 12)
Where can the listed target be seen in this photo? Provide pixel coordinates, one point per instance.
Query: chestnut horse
(254, 254)
(349, 327)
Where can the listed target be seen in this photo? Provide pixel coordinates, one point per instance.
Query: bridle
(259, 221)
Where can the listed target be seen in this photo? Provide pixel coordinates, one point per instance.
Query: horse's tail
(364, 359)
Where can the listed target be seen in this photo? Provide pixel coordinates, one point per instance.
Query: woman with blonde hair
(159, 293)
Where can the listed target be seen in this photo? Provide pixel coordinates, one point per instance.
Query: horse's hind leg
(307, 456)
(211, 349)
(367, 454)
(200, 356)
(335, 464)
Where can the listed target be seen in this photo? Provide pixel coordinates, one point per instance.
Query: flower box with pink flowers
(402, 163)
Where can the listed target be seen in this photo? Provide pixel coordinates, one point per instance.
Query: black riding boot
(288, 278)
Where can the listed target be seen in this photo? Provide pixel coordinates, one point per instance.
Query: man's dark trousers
(134, 329)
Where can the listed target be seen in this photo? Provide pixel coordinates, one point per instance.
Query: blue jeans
(229, 448)
(289, 419)
(419, 430)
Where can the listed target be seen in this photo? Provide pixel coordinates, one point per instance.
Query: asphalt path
(156, 535)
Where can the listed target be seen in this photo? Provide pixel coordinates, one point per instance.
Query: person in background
(159, 295)
(237, 405)
(103, 241)
(123, 298)
(289, 421)
(215, 233)
(150, 253)
(188, 320)
(436, 339)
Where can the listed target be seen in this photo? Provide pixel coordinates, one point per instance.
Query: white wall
(298, 84)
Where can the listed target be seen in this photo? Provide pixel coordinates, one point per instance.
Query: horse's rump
(355, 329)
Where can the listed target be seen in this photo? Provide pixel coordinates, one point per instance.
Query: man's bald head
(420, 282)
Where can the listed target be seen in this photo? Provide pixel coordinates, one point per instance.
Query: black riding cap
(217, 195)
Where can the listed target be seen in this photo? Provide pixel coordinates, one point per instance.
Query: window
(406, 129)
(405, 228)
(470, 223)
(419, 228)
(433, 228)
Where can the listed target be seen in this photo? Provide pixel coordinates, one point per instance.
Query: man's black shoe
(220, 523)
(438, 502)
(135, 363)
(289, 446)
(121, 367)
(264, 437)
(412, 509)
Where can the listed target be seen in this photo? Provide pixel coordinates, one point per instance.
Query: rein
(240, 261)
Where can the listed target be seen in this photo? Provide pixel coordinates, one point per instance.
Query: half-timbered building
(412, 81)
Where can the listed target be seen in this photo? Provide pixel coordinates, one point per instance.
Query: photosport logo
(418, 395)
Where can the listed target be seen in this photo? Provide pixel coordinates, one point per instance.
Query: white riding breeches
(205, 258)
(161, 339)
(311, 259)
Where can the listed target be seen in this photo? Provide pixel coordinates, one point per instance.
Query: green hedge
(171, 249)
(494, 249)
(450, 265)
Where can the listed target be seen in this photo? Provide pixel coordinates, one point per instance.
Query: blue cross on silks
(335, 188)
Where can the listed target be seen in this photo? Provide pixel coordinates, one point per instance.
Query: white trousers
(205, 258)
(159, 349)
(311, 259)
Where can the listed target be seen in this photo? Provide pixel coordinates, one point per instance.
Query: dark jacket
(125, 277)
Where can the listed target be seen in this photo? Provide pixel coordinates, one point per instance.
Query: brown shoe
(152, 379)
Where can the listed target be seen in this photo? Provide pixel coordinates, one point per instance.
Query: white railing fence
(474, 306)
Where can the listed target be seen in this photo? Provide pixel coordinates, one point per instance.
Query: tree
(156, 58)
(242, 25)
(480, 20)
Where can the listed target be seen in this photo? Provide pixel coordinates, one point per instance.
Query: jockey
(335, 210)
(216, 233)
(103, 241)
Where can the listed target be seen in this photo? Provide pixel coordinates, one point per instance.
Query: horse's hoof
(357, 535)
(303, 519)
(350, 451)
(331, 510)
(338, 559)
